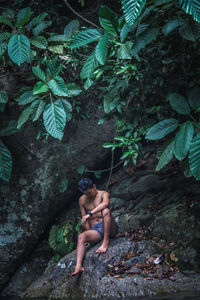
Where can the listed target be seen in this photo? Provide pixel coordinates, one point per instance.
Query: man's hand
(84, 219)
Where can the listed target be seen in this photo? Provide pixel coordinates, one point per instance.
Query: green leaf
(97, 174)
(3, 48)
(23, 16)
(4, 36)
(109, 145)
(39, 42)
(108, 98)
(191, 7)
(10, 129)
(5, 21)
(58, 49)
(58, 86)
(124, 31)
(194, 157)
(194, 98)
(183, 139)
(41, 27)
(73, 89)
(40, 87)
(124, 50)
(108, 19)
(5, 162)
(166, 156)
(26, 97)
(101, 49)
(66, 106)
(19, 48)
(80, 170)
(37, 109)
(161, 129)
(88, 84)
(54, 118)
(85, 37)
(2, 107)
(37, 20)
(63, 185)
(179, 103)
(70, 28)
(132, 9)
(186, 32)
(39, 73)
(54, 68)
(57, 38)
(23, 118)
(89, 66)
(3, 97)
(171, 25)
(144, 39)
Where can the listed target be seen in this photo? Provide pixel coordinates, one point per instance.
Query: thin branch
(86, 20)
(111, 169)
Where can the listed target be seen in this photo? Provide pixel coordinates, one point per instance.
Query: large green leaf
(179, 103)
(39, 42)
(5, 21)
(39, 73)
(23, 16)
(90, 65)
(171, 25)
(37, 20)
(66, 106)
(161, 129)
(19, 48)
(54, 68)
(40, 87)
(54, 118)
(57, 38)
(71, 28)
(191, 7)
(85, 37)
(124, 50)
(58, 49)
(4, 36)
(73, 89)
(186, 32)
(101, 49)
(58, 86)
(23, 118)
(125, 30)
(194, 157)
(41, 27)
(194, 98)
(144, 39)
(37, 109)
(166, 156)
(132, 9)
(5, 162)
(26, 97)
(10, 129)
(3, 97)
(183, 139)
(108, 19)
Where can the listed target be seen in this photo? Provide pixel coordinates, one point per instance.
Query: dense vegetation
(143, 59)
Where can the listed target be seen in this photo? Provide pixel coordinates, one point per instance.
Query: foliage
(62, 238)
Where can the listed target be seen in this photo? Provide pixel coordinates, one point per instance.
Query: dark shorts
(99, 228)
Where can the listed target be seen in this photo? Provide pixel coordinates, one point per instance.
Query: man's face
(91, 193)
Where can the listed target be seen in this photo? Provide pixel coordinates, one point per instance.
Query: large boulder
(36, 192)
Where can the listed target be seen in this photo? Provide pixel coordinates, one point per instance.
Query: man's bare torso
(90, 204)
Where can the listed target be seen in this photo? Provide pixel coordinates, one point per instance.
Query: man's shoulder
(103, 193)
(82, 200)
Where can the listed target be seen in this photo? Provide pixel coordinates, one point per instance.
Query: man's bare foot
(77, 271)
(103, 248)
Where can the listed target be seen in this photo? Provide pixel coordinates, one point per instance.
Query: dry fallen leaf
(173, 257)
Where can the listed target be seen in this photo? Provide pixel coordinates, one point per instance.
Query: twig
(105, 170)
(86, 20)
(111, 169)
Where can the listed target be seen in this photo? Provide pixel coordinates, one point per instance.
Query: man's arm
(85, 223)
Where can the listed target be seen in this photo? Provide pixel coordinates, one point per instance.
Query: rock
(96, 282)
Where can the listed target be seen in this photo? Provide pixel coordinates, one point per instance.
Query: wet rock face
(98, 279)
(36, 193)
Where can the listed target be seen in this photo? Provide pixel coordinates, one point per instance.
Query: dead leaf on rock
(173, 257)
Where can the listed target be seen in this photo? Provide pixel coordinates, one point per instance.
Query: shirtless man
(96, 219)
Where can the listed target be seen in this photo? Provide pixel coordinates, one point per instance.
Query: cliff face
(38, 188)
(157, 215)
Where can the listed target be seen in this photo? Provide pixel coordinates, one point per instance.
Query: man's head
(87, 187)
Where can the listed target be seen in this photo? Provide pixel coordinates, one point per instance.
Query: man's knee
(106, 212)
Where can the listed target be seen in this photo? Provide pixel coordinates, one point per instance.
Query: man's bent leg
(110, 229)
(87, 236)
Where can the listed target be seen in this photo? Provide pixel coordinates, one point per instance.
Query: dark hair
(85, 184)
